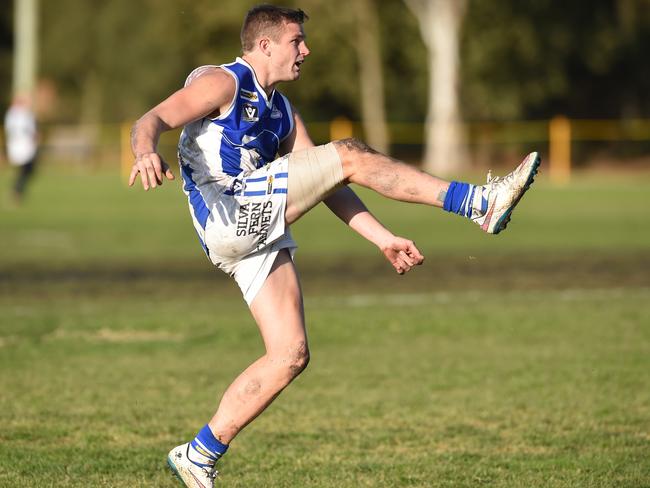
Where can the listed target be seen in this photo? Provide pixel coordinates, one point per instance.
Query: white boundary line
(414, 299)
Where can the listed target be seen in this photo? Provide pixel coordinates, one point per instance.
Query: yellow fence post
(341, 128)
(126, 157)
(560, 149)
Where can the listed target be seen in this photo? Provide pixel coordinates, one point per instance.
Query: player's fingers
(402, 268)
(158, 165)
(149, 165)
(414, 253)
(140, 168)
(144, 180)
(151, 174)
(168, 172)
(405, 257)
(401, 265)
(394, 260)
(133, 175)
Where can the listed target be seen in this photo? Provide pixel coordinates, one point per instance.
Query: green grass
(520, 360)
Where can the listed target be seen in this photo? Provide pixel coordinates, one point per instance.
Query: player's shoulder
(209, 74)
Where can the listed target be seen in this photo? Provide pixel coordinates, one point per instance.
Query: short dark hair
(267, 19)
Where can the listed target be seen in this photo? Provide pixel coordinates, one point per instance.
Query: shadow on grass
(518, 272)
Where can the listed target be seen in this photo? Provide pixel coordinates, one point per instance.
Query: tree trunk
(25, 62)
(440, 22)
(373, 113)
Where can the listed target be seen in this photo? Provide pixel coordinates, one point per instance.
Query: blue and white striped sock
(461, 199)
(205, 449)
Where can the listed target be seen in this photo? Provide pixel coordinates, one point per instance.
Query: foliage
(111, 60)
(537, 59)
(6, 47)
(130, 54)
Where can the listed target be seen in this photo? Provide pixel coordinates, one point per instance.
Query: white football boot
(502, 195)
(191, 475)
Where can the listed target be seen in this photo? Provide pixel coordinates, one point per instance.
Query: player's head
(277, 33)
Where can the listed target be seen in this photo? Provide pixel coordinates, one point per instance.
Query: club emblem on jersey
(275, 113)
(250, 113)
(248, 95)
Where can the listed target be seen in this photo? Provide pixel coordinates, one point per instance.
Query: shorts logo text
(255, 219)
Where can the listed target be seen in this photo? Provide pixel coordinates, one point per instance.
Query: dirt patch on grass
(504, 272)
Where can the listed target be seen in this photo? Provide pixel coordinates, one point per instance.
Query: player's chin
(295, 72)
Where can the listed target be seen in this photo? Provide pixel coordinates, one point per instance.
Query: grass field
(512, 361)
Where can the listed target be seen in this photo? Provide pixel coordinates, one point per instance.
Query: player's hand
(402, 254)
(151, 168)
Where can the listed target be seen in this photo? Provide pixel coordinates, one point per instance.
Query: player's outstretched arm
(402, 253)
(207, 95)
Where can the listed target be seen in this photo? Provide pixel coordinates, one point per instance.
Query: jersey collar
(267, 100)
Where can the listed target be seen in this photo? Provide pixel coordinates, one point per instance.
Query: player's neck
(262, 73)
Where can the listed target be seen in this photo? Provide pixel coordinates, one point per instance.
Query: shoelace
(499, 179)
(212, 473)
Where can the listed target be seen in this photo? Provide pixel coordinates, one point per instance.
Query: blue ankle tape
(455, 198)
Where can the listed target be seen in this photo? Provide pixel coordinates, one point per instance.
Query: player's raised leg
(316, 172)
(490, 205)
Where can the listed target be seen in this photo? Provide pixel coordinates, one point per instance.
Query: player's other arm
(207, 95)
(400, 252)
(347, 206)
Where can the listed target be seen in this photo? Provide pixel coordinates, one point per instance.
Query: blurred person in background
(22, 143)
(243, 198)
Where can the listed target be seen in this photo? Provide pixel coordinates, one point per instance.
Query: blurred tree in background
(110, 60)
(6, 53)
(539, 58)
(440, 25)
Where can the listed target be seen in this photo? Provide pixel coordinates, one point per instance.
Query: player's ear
(265, 45)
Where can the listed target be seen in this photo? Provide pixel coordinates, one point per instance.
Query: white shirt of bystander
(20, 129)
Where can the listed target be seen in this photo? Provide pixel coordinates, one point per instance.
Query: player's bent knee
(352, 152)
(314, 174)
(353, 145)
(299, 360)
(291, 361)
(295, 359)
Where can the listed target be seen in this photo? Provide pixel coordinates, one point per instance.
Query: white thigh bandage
(314, 174)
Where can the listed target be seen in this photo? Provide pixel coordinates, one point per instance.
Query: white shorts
(242, 229)
(246, 228)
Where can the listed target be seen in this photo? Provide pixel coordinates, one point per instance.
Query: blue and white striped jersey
(244, 138)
